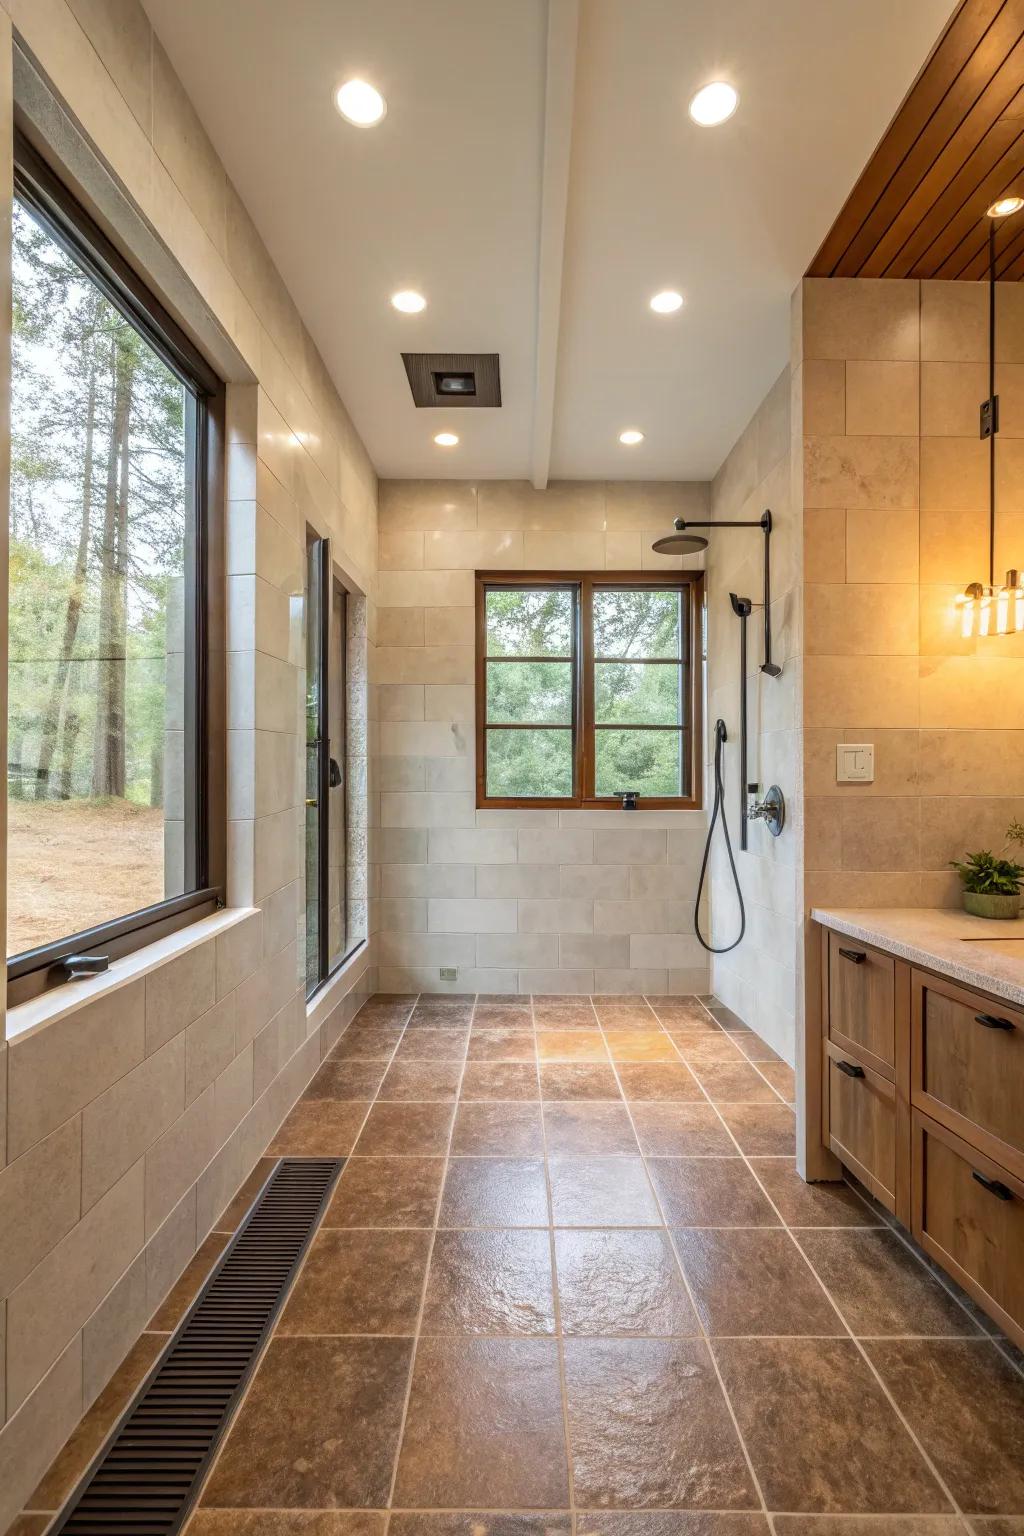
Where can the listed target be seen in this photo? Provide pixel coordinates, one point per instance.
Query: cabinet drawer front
(862, 1123)
(969, 1213)
(861, 996)
(969, 1066)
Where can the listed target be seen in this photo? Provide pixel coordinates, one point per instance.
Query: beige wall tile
(485, 549)
(952, 827)
(882, 836)
(34, 1435)
(863, 620)
(47, 1309)
(68, 1062)
(954, 322)
(880, 546)
(449, 626)
(877, 472)
(400, 701)
(175, 1161)
(823, 844)
(210, 1045)
(565, 506)
(861, 691)
(967, 762)
(401, 627)
(954, 546)
(896, 764)
(640, 505)
(882, 399)
(400, 550)
(954, 474)
(40, 1201)
(178, 992)
(239, 951)
(112, 1329)
(951, 394)
(561, 915)
(427, 505)
(577, 950)
(549, 551)
(858, 318)
(825, 545)
(824, 397)
(123, 39)
(119, 1125)
(980, 692)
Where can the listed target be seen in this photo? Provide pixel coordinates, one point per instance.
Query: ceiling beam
(559, 87)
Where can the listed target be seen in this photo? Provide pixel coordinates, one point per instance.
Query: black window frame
(65, 220)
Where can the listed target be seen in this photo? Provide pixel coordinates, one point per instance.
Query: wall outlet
(449, 973)
(855, 762)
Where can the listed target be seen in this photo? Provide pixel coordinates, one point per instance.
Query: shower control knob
(771, 810)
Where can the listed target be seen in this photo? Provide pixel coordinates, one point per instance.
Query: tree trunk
(57, 702)
(108, 761)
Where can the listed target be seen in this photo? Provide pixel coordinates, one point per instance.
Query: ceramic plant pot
(985, 904)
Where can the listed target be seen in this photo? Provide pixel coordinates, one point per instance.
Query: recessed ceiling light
(1005, 205)
(713, 104)
(408, 301)
(446, 439)
(360, 103)
(667, 302)
(631, 436)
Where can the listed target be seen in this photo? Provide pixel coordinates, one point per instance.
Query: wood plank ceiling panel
(956, 144)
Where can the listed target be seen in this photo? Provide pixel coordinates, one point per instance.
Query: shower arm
(765, 524)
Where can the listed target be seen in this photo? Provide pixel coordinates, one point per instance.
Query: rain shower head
(680, 544)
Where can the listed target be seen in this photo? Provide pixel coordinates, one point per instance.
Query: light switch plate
(855, 762)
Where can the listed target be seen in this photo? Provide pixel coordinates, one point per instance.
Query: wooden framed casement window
(588, 689)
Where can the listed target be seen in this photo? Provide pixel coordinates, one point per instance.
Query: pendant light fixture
(984, 608)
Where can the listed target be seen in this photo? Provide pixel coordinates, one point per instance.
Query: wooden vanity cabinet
(923, 1100)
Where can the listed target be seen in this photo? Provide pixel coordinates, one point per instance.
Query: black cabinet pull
(992, 1185)
(849, 1068)
(856, 955)
(993, 1021)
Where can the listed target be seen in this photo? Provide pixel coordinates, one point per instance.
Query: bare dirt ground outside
(74, 863)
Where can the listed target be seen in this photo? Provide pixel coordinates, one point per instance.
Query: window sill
(45, 1009)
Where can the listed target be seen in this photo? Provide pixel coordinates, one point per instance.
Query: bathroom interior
(514, 832)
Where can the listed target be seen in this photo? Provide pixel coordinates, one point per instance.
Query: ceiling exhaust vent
(453, 378)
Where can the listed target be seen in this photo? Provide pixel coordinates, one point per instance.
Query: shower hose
(718, 810)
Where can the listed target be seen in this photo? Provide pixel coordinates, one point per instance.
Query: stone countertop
(942, 939)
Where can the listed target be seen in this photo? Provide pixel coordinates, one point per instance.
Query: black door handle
(75, 966)
(992, 1185)
(856, 955)
(993, 1021)
(849, 1068)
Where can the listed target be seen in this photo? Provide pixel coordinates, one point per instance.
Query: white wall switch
(855, 762)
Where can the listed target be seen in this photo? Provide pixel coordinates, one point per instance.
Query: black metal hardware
(629, 798)
(742, 607)
(849, 1069)
(333, 774)
(993, 1021)
(857, 956)
(992, 1185)
(84, 965)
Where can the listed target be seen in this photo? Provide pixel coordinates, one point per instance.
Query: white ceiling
(446, 195)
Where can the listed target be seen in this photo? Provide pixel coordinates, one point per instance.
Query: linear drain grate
(146, 1478)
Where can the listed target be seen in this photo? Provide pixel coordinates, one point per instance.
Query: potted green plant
(992, 883)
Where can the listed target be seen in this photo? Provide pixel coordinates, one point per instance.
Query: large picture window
(107, 727)
(588, 688)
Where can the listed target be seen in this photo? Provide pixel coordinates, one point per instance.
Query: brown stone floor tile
(810, 1205)
(705, 1049)
(578, 1080)
(649, 1426)
(406, 1130)
(503, 1016)
(359, 1282)
(433, 1045)
(966, 1405)
(502, 1045)
(562, 1000)
(621, 1282)
(237, 1208)
(286, 1522)
(640, 1045)
(366, 1044)
(782, 1078)
(985, 1525)
(624, 1015)
(186, 1288)
(674, 1522)
(318, 1429)
(754, 1048)
(421, 1081)
(386, 1192)
(578, 1015)
(727, 1082)
(669, 1080)
(601, 1192)
(346, 1080)
(753, 1281)
(490, 1283)
(391, 1015)
(488, 1129)
(571, 1045)
(681, 1130)
(440, 1015)
(482, 1522)
(320, 1128)
(880, 1287)
(762, 1130)
(588, 1129)
(484, 1427)
(678, 1008)
(500, 1080)
(831, 1442)
(868, 1525)
(710, 1192)
(72, 1460)
(494, 1192)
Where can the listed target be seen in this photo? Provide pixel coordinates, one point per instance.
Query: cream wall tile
(861, 690)
(434, 664)
(953, 544)
(563, 915)
(875, 472)
(238, 953)
(517, 950)
(119, 1125)
(403, 881)
(401, 550)
(475, 845)
(639, 505)
(476, 916)
(644, 846)
(882, 399)
(232, 1096)
(427, 949)
(982, 692)
(423, 738)
(552, 980)
(210, 1046)
(428, 505)
(400, 702)
(897, 756)
(565, 506)
(486, 549)
(428, 810)
(608, 881)
(951, 827)
(585, 949)
(178, 992)
(624, 551)
(555, 847)
(649, 952)
(450, 702)
(824, 398)
(825, 545)
(884, 837)
(34, 1435)
(123, 39)
(40, 1201)
(425, 589)
(174, 1162)
(401, 627)
(496, 880)
(849, 620)
(954, 322)
(564, 551)
(951, 394)
(112, 1329)
(968, 762)
(880, 546)
(857, 318)
(449, 626)
(68, 1062)
(954, 474)
(641, 916)
(47, 1309)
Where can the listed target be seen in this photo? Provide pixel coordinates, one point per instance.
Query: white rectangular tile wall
(516, 901)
